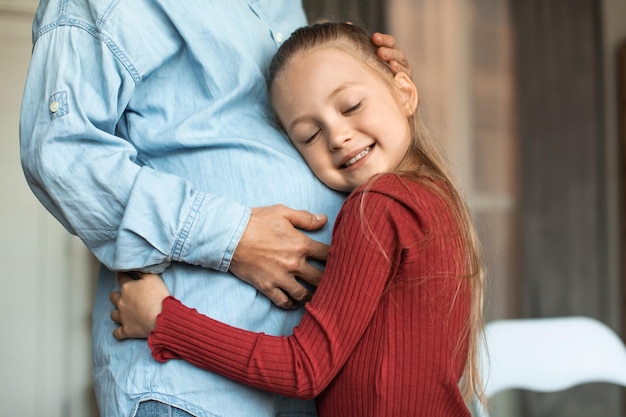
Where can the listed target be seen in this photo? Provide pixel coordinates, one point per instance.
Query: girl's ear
(407, 91)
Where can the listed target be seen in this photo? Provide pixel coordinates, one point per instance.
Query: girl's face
(347, 123)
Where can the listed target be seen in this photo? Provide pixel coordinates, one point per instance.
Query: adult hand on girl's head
(390, 53)
(137, 305)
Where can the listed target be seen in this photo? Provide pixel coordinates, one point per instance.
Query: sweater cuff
(162, 334)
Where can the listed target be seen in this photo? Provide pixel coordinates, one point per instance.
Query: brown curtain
(367, 13)
(563, 193)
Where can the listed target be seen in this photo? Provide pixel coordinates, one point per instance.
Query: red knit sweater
(380, 336)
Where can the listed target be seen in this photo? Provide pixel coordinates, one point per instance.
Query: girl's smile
(348, 122)
(359, 157)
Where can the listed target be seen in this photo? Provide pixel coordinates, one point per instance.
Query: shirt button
(278, 37)
(54, 106)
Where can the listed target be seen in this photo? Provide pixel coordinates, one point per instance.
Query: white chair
(550, 354)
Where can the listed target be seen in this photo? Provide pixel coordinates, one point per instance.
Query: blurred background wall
(524, 95)
(47, 276)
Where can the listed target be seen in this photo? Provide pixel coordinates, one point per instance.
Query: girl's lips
(353, 160)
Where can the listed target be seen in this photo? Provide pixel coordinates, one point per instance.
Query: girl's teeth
(357, 157)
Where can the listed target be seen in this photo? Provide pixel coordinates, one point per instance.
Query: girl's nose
(338, 136)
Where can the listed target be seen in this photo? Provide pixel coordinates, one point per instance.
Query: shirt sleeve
(129, 215)
(301, 365)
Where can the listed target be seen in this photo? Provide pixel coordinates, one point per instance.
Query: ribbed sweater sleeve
(303, 364)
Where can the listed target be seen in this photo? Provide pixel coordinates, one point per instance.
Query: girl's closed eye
(352, 109)
(311, 138)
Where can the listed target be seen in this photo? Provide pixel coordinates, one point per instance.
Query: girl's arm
(300, 365)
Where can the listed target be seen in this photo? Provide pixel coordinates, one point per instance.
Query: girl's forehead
(328, 58)
(321, 72)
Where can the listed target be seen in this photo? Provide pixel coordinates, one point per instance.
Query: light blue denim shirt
(146, 131)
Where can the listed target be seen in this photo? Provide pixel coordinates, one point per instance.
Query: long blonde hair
(433, 170)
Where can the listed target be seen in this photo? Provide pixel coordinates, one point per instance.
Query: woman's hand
(137, 305)
(389, 52)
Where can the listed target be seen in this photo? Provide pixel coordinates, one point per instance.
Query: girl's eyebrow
(340, 88)
(296, 121)
(332, 94)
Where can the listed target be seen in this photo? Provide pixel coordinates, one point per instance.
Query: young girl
(393, 327)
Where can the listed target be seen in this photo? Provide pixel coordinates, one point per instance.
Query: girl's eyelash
(353, 108)
(310, 139)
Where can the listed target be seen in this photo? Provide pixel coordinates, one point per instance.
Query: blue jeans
(157, 409)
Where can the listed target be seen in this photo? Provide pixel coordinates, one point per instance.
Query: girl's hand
(137, 305)
(389, 52)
